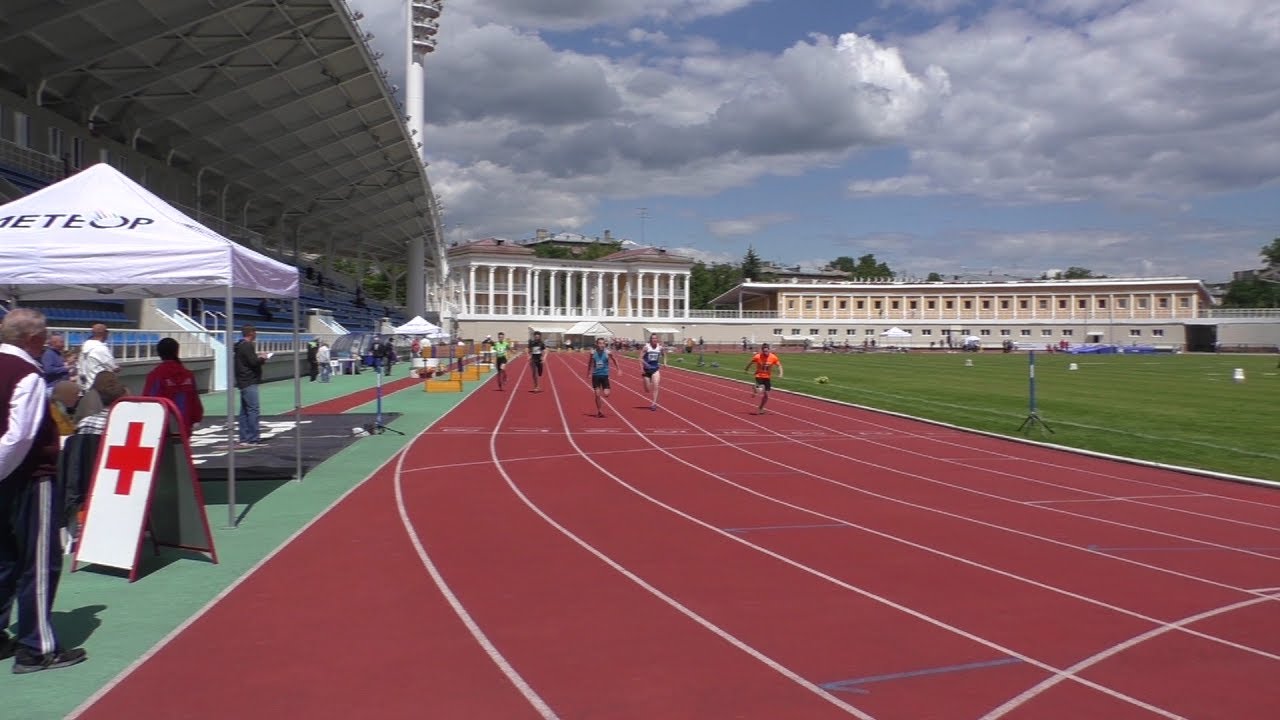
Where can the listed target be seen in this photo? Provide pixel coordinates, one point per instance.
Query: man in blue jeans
(249, 364)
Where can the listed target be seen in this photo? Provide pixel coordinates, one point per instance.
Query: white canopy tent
(420, 326)
(895, 332)
(98, 234)
(589, 328)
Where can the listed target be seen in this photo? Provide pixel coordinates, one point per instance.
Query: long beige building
(636, 291)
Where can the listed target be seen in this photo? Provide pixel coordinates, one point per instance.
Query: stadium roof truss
(278, 107)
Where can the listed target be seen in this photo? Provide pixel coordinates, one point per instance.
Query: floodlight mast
(422, 27)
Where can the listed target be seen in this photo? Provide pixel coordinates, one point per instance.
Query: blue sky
(1135, 138)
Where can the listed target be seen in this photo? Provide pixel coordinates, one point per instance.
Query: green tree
(865, 267)
(844, 264)
(1271, 253)
(1076, 273)
(751, 265)
(1252, 293)
(706, 282)
(933, 277)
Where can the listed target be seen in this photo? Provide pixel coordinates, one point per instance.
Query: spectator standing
(172, 380)
(323, 359)
(248, 370)
(95, 356)
(313, 361)
(30, 521)
(52, 361)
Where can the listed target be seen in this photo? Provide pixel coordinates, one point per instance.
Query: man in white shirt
(30, 503)
(95, 356)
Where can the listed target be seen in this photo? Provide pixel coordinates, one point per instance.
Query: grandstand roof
(278, 102)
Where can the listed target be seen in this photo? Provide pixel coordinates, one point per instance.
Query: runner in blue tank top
(598, 370)
(652, 357)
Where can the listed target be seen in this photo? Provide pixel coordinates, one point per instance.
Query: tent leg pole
(297, 393)
(231, 411)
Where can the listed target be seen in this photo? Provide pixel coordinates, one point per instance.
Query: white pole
(232, 439)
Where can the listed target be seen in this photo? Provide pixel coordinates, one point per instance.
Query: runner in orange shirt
(766, 363)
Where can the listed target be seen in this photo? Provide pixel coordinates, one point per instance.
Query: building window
(877, 305)
(1102, 303)
(1068, 332)
(851, 331)
(869, 332)
(984, 333)
(795, 331)
(862, 304)
(791, 304)
(56, 141)
(1004, 304)
(951, 305)
(1082, 304)
(833, 331)
(1184, 302)
(1046, 333)
(1023, 304)
(1157, 332)
(927, 331)
(1135, 332)
(1043, 304)
(1062, 304)
(808, 304)
(895, 305)
(1142, 303)
(844, 304)
(932, 305)
(21, 129)
(1024, 333)
(986, 304)
(968, 304)
(914, 305)
(1122, 303)
(777, 331)
(813, 331)
(1005, 333)
(1163, 303)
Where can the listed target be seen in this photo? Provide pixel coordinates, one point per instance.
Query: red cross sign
(129, 458)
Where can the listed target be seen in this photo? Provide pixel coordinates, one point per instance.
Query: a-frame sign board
(143, 480)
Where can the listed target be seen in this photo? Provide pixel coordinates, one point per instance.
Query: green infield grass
(1184, 409)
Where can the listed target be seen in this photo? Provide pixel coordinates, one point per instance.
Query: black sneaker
(8, 646)
(28, 662)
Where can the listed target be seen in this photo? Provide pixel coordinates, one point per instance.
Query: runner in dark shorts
(500, 358)
(537, 348)
(652, 357)
(766, 363)
(598, 369)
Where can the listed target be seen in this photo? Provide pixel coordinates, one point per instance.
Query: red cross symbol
(129, 458)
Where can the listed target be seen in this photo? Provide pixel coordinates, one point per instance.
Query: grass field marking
(975, 521)
(888, 602)
(1014, 417)
(962, 430)
(1071, 672)
(926, 548)
(1015, 476)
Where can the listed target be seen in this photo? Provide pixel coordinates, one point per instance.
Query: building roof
(756, 289)
(647, 254)
(490, 246)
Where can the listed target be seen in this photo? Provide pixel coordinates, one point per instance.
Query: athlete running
(598, 370)
(652, 357)
(536, 348)
(500, 358)
(765, 363)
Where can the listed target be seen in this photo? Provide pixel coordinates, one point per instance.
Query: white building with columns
(508, 288)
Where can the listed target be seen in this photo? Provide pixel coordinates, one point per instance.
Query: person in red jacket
(171, 379)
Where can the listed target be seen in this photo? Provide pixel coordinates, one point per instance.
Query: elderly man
(53, 362)
(95, 356)
(30, 547)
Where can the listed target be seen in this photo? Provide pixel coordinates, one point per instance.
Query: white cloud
(744, 226)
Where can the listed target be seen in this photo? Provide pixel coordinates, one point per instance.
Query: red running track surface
(524, 558)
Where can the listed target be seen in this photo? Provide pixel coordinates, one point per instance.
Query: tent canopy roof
(895, 332)
(418, 326)
(661, 330)
(98, 234)
(587, 327)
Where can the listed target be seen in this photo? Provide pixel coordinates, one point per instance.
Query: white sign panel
(123, 479)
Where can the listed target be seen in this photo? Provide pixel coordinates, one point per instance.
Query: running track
(524, 559)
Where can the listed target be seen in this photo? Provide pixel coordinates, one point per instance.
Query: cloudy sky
(1131, 137)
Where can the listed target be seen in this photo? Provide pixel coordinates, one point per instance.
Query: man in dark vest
(30, 511)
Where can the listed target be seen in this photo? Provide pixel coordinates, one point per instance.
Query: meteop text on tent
(106, 222)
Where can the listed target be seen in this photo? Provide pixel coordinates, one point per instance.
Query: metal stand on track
(376, 427)
(1033, 417)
